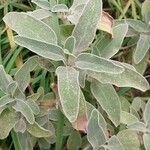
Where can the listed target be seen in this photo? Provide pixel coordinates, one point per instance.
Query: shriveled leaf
(74, 141)
(43, 4)
(129, 139)
(29, 27)
(85, 29)
(106, 23)
(97, 138)
(119, 33)
(69, 91)
(86, 61)
(20, 126)
(124, 79)
(60, 8)
(26, 111)
(142, 48)
(147, 113)
(6, 100)
(45, 50)
(146, 138)
(114, 144)
(70, 43)
(137, 126)
(38, 131)
(8, 119)
(107, 97)
(81, 121)
(127, 118)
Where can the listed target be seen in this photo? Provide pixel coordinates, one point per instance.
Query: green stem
(15, 140)
(59, 133)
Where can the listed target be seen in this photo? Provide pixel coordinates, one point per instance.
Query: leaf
(107, 97)
(20, 126)
(8, 119)
(70, 43)
(82, 78)
(26, 111)
(29, 27)
(38, 131)
(86, 61)
(81, 121)
(106, 23)
(85, 29)
(69, 91)
(45, 50)
(4, 81)
(127, 118)
(114, 144)
(146, 138)
(43, 4)
(142, 48)
(129, 139)
(6, 100)
(97, 138)
(146, 113)
(119, 33)
(60, 8)
(137, 126)
(74, 141)
(76, 3)
(122, 80)
(146, 10)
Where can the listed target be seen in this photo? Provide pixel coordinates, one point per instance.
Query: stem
(59, 133)
(16, 140)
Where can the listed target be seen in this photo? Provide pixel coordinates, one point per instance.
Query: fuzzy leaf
(97, 138)
(43, 4)
(70, 43)
(146, 10)
(38, 131)
(147, 113)
(8, 119)
(124, 79)
(6, 100)
(146, 138)
(26, 111)
(142, 48)
(69, 91)
(85, 30)
(45, 50)
(86, 61)
(107, 97)
(60, 8)
(29, 27)
(76, 3)
(20, 126)
(137, 126)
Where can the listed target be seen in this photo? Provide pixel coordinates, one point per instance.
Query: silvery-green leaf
(69, 91)
(137, 126)
(123, 79)
(114, 144)
(87, 61)
(34, 106)
(4, 81)
(119, 33)
(95, 134)
(85, 30)
(25, 70)
(29, 27)
(6, 100)
(137, 25)
(40, 14)
(20, 126)
(125, 104)
(2, 109)
(77, 3)
(74, 141)
(146, 10)
(38, 131)
(147, 113)
(107, 97)
(60, 8)
(129, 139)
(26, 111)
(127, 118)
(45, 50)
(143, 45)
(43, 4)
(146, 138)
(70, 43)
(8, 119)
(82, 78)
